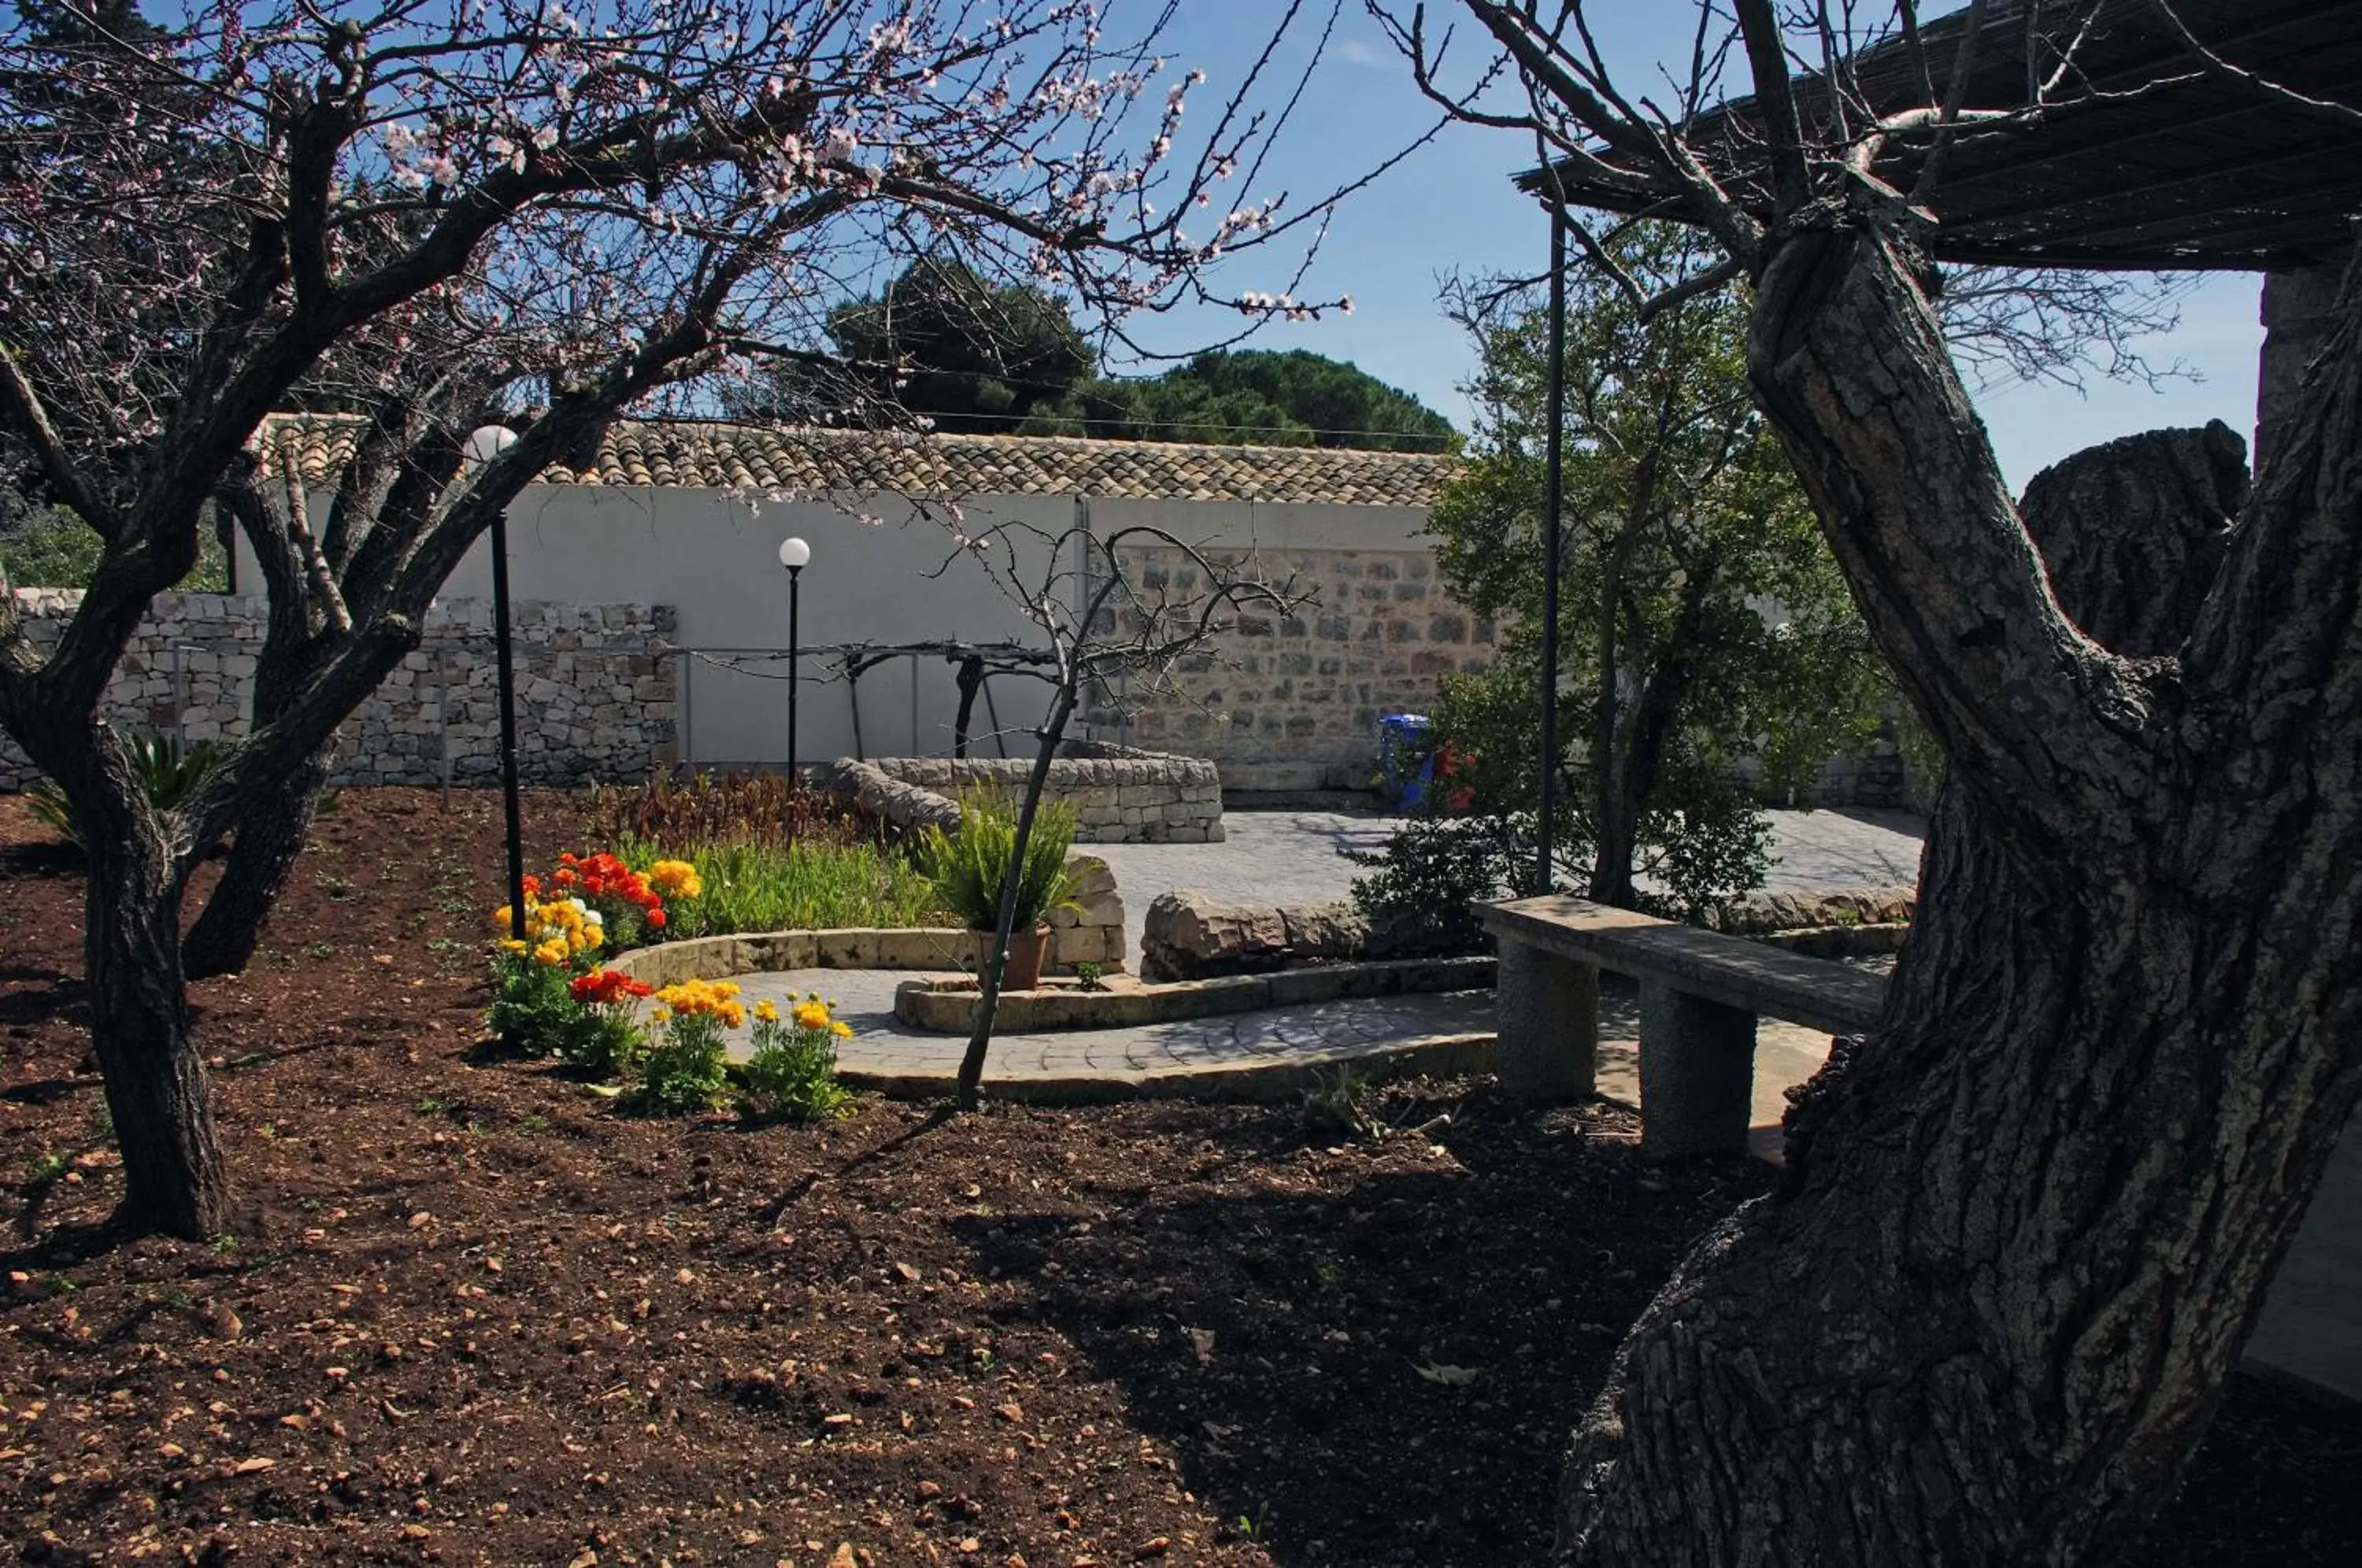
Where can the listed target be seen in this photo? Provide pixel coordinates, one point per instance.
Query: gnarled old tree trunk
(2027, 1224)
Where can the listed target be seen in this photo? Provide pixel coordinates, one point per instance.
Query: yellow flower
(811, 1015)
(733, 1013)
(842, 1029)
(675, 879)
(767, 1011)
(659, 1013)
(552, 952)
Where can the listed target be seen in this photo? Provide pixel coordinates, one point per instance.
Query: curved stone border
(949, 1007)
(1434, 1056)
(935, 948)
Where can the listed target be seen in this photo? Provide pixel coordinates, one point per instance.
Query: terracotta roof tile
(716, 456)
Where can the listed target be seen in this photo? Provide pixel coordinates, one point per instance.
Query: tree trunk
(2026, 1226)
(156, 1086)
(988, 1002)
(272, 826)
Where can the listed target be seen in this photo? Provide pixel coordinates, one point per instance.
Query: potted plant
(969, 865)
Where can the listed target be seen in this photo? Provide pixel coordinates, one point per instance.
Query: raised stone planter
(926, 949)
(1841, 941)
(1120, 795)
(948, 1006)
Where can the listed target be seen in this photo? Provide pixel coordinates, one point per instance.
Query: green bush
(1418, 893)
(603, 1041)
(968, 865)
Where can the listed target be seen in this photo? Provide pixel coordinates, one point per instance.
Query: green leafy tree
(1705, 631)
(942, 342)
(1264, 397)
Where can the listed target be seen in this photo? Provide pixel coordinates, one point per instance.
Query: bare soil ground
(468, 1314)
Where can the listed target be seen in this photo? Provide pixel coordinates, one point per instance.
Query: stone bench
(1700, 992)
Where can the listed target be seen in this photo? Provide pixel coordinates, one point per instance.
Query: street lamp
(483, 447)
(794, 555)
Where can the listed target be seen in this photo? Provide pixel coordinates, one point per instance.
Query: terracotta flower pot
(1026, 951)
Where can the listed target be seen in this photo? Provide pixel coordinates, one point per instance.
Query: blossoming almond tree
(416, 216)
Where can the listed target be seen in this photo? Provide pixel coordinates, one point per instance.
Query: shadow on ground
(1376, 1368)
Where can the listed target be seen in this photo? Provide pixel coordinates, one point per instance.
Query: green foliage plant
(968, 866)
(686, 1064)
(1420, 887)
(766, 885)
(533, 1011)
(1707, 635)
(166, 770)
(791, 1076)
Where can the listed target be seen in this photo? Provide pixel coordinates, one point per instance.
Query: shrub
(1417, 894)
(968, 865)
(687, 1062)
(792, 1075)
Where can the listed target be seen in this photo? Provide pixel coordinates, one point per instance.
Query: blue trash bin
(1405, 757)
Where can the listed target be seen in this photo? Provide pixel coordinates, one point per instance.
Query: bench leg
(1697, 1074)
(1547, 1010)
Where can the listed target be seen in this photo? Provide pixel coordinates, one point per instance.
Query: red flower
(604, 988)
(656, 918)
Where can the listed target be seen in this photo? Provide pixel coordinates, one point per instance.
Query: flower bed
(557, 994)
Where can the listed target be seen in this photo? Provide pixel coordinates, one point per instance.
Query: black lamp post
(483, 447)
(1555, 423)
(794, 555)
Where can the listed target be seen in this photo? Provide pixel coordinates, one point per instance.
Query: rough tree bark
(275, 817)
(273, 823)
(2025, 1225)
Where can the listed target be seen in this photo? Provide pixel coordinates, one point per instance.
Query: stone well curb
(925, 949)
(950, 1009)
(1434, 1056)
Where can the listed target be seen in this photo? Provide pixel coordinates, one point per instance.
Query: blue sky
(1449, 208)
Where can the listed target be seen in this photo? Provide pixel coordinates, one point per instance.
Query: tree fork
(2027, 1224)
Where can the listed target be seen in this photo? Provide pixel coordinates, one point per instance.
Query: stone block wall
(1120, 795)
(595, 696)
(1292, 702)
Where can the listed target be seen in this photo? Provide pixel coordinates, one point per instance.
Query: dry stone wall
(1292, 702)
(595, 695)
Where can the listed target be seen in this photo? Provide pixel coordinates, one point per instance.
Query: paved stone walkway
(1291, 858)
(881, 1043)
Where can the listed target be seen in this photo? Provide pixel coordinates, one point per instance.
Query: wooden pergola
(2142, 159)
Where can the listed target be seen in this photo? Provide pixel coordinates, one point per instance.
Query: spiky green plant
(167, 772)
(968, 864)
